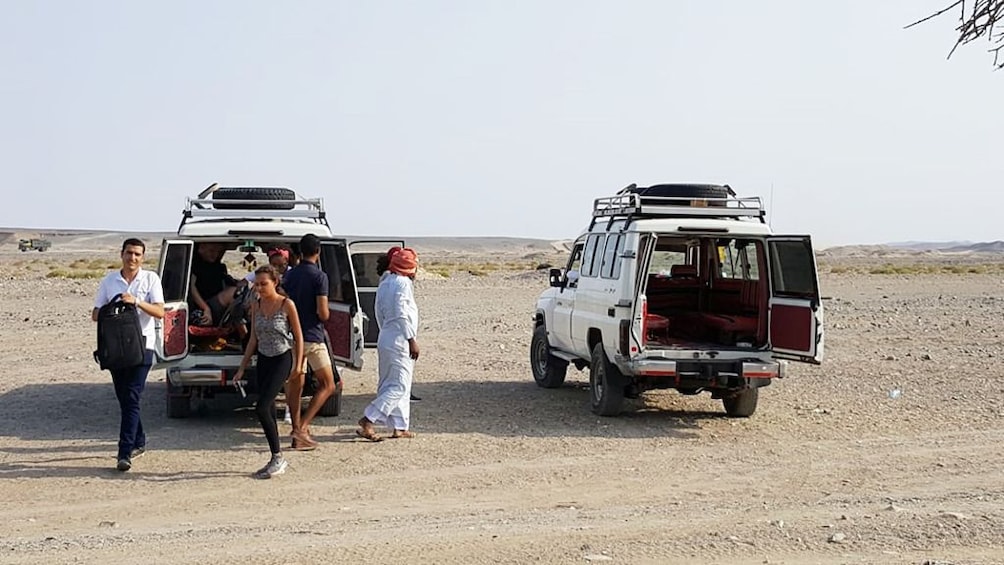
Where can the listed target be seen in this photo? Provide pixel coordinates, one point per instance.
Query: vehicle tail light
(625, 337)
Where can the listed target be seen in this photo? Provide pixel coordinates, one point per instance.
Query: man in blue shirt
(307, 286)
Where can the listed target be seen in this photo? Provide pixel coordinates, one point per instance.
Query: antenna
(770, 217)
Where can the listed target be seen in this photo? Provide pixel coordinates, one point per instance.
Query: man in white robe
(397, 349)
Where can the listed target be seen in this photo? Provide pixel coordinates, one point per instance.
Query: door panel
(796, 311)
(345, 323)
(175, 271)
(173, 338)
(365, 255)
(560, 334)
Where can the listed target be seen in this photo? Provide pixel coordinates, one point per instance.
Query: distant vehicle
(679, 286)
(33, 244)
(248, 221)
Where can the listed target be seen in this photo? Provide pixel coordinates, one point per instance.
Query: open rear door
(796, 312)
(365, 255)
(175, 273)
(345, 321)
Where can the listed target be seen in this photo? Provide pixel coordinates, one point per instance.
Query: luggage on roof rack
(678, 201)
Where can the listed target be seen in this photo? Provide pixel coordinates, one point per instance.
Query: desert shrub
(76, 274)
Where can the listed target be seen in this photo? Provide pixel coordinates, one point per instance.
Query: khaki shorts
(316, 355)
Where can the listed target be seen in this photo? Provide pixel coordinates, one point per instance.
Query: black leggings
(272, 374)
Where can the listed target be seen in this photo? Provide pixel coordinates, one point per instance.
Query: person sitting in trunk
(278, 259)
(212, 289)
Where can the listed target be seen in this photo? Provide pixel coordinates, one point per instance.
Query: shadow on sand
(56, 425)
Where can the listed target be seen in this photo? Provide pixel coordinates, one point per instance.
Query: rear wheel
(741, 404)
(548, 370)
(333, 405)
(606, 384)
(179, 406)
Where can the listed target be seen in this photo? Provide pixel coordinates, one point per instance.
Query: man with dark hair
(132, 285)
(307, 286)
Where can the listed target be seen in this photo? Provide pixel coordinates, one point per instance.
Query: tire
(606, 384)
(548, 370)
(684, 191)
(333, 405)
(271, 198)
(741, 404)
(179, 406)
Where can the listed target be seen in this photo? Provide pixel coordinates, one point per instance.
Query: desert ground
(836, 466)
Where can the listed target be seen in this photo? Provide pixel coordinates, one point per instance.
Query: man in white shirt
(132, 285)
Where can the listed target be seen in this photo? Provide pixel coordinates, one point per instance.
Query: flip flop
(405, 434)
(368, 435)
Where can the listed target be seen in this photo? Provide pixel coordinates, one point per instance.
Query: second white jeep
(679, 286)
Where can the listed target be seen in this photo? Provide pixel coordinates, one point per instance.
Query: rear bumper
(706, 373)
(197, 377)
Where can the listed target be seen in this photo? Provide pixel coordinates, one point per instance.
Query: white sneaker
(276, 466)
(287, 419)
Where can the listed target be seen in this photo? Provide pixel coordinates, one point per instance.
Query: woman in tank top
(278, 341)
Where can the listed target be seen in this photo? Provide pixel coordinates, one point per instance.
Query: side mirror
(554, 275)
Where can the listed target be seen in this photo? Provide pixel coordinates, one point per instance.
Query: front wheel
(548, 370)
(606, 384)
(741, 404)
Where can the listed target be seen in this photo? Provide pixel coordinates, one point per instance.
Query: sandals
(405, 434)
(303, 442)
(371, 436)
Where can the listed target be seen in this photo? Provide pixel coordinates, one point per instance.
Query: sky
(500, 118)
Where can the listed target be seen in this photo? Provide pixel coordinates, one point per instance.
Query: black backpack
(121, 344)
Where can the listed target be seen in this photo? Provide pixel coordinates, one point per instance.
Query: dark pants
(129, 384)
(272, 374)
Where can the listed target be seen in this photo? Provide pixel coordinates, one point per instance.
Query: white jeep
(249, 221)
(679, 286)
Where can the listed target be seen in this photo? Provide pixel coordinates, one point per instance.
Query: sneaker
(276, 466)
(137, 453)
(287, 419)
(415, 398)
(124, 465)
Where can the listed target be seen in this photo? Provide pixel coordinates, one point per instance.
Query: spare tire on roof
(270, 198)
(682, 191)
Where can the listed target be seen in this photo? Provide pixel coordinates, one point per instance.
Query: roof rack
(310, 210)
(632, 206)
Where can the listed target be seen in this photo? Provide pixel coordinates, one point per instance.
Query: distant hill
(916, 249)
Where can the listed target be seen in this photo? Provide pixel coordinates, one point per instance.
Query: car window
(611, 256)
(592, 256)
(792, 269)
(738, 259)
(666, 256)
(174, 276)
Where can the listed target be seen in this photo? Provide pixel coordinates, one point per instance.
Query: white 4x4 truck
(679, 286)
(249, 221)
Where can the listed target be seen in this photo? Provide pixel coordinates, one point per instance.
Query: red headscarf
(404, 262)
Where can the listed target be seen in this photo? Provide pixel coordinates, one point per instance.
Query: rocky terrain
(887, 453)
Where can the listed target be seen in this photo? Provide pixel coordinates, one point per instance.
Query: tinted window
(335, 263)
(590, 259)
(174, 272)
(365, 266)
(611, 256)
(792, 269)
(622, 241)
